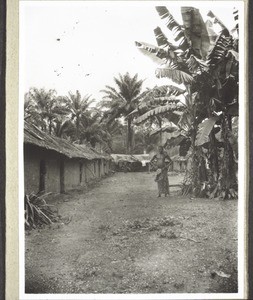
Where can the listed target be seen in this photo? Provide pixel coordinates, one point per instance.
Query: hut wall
(71, 173)
(52, 173)
(61, 173)
(33, 156)
(31, 170)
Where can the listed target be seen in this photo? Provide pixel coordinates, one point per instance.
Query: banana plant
(209, 71)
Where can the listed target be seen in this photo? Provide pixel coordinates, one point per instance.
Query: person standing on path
(162, 162)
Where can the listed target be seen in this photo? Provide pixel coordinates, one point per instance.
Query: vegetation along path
(119, 238)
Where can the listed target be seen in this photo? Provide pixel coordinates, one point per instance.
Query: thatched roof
(34, 136)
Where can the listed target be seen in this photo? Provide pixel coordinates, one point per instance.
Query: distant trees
(70, 117)
(43, 108)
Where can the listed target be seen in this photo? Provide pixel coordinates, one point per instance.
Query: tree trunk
(50, 126)
(129, 136)
(78, 129)
(228, 180)
(160, 127)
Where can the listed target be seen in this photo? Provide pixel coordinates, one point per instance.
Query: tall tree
(78, 108)
(122, 100)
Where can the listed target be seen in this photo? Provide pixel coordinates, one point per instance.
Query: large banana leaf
(236, 17)
(150, 103)
(211, 33)
(156, 54)
(168, 128)
(219, 50)
(173, 26)
(174, 90)
(204, 130)
(218, 21)
(162, 40)
(175, 75)
(175, 139)
(163, 99)
(196, 31)
(234, 54)
(160, 37)
(196, 65)
(159, 110)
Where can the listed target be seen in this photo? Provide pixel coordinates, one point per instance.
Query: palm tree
(78, 109)
(94, 130)
(122, 100)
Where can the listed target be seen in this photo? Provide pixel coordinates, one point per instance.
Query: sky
(82, 45)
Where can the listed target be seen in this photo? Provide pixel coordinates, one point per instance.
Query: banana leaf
(196, 31)
(174, 108)
(197, 65)
(169, 128)
(204, 130)
(173, 26)
(160, 37)
(234, 53)
(218, 21)
(156, 54)
(177, 76)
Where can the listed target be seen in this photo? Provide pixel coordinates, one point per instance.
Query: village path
(122, 239)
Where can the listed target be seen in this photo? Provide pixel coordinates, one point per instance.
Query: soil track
(119, 238)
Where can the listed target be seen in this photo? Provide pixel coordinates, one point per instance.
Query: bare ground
(119, 238)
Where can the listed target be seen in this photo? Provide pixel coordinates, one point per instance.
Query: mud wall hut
(55, 165)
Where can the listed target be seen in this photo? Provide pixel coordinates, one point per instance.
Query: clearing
(117, 237)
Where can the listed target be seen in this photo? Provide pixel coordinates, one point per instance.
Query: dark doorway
(81, 172)
(99, 168)
(62, 180)
(43, 172)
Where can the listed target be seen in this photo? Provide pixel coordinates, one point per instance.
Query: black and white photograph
(132, 156)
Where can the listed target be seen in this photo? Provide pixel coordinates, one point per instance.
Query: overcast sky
(69, 46)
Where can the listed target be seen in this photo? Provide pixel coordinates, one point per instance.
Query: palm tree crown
(122, 100)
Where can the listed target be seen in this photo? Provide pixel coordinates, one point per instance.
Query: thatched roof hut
(34, 136)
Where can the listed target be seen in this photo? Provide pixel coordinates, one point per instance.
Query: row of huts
(55, 165)
(52, 164)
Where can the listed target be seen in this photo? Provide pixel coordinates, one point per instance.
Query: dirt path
(122, 239)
